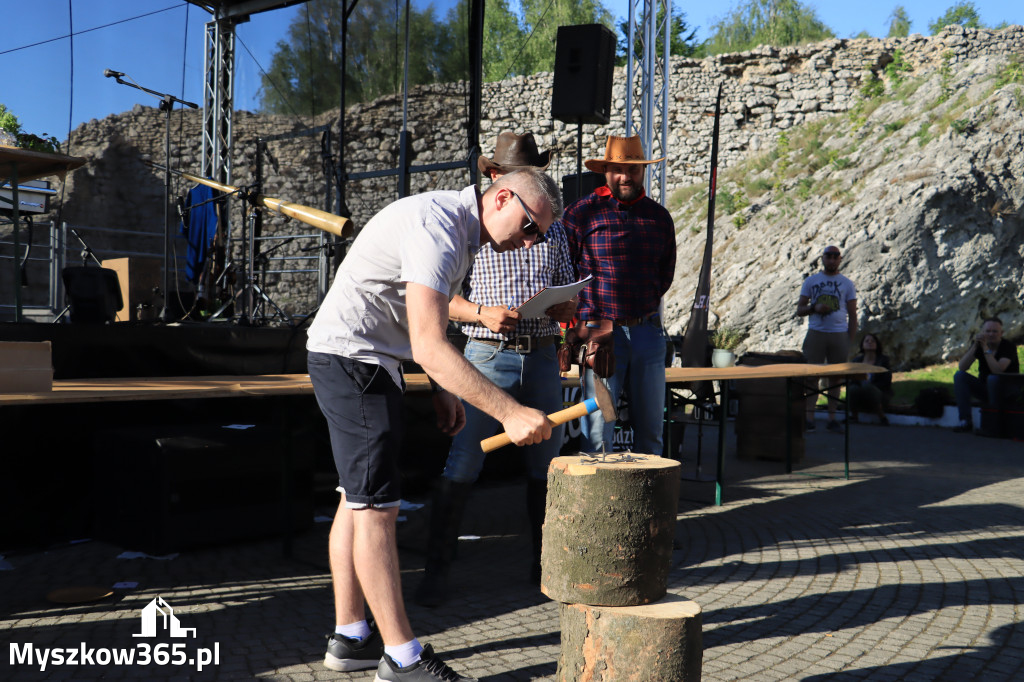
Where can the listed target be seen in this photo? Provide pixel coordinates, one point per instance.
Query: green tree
(682, 40)
(503, 41)
(767, 22)
(541, 19)
(899, 23)
(962, 13)
(304, 73)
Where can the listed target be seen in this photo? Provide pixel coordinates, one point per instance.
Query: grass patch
(1012, 72)
(862, 110)
(872, 86)
(922, 134)
(946, 77)
(896, 69)
(683, 195)
(757, 187)
(805, 188)
(906, 385)
(890, 128)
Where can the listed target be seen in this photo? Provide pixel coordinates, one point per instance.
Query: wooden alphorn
(328, 222)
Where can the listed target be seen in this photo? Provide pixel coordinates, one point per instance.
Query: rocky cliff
(920, 183)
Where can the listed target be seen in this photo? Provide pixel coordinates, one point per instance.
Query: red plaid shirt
(630, 249)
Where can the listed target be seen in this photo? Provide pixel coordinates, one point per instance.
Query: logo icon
(170, 622)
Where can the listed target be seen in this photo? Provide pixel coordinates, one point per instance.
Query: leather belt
(634, 321)
(521, 344)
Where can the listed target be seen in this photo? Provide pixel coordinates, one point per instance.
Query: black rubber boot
(445, 517)
(536, 503)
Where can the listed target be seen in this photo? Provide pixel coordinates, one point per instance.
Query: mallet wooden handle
(588, 406)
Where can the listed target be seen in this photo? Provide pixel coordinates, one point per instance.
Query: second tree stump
(659, 642)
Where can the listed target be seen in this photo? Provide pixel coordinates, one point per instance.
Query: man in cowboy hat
(627, 242)
(518, 355)
(389, 303)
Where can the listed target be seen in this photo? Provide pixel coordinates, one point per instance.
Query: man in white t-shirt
(829, 301)
(389, 303)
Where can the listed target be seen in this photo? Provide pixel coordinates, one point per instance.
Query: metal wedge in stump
(661, 641)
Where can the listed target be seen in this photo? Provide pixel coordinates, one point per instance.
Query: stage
(152, 349)
(67, 452)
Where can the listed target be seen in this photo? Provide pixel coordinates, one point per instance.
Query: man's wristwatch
(988, 352)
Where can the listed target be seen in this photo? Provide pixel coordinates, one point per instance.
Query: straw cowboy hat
(514, 152)
(625, 150)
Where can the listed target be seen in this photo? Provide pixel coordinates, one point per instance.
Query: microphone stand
(167, 102)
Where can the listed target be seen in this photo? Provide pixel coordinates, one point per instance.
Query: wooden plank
(163, 388)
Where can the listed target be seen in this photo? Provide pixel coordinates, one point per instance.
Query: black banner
(695, 341)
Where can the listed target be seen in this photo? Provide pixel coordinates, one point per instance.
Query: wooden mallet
(602, 400)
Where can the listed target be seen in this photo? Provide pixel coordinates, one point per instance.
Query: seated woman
(872, 392)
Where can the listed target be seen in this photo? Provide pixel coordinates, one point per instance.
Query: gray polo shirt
(430, 239)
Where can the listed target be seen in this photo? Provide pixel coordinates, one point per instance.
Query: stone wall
(765, 91)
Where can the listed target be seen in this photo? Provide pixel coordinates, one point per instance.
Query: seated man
(996, 358)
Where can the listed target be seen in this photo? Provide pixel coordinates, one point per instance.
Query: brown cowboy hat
(513, 152)
(626, 150)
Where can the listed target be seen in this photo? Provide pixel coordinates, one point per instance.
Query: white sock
(358, 630)
(405, 654)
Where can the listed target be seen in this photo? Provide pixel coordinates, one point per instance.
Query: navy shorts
(363, 407)
(826, 347)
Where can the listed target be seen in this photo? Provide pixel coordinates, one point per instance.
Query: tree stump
(660, 642)
(608, 529)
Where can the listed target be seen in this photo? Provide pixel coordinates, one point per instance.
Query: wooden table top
(32, 165)
(168, 388)
(774, 371)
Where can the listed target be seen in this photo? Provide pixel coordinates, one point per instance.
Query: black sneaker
(810, 425)
(834, 426)
(963, 427)
(429, 668)
(345, 654)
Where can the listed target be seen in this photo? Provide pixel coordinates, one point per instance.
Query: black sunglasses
(531, 227)
(831, 254)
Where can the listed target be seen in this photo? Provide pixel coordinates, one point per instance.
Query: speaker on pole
(582, 88)
(576, 186)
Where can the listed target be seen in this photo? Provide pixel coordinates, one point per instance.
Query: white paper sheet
(549, 296)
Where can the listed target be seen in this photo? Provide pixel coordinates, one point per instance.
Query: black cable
(71, 66)
(394, 86)
(88, 30)
(270, 80)
(181, 145)
(521, 48)
(309, 54)
(71, 103)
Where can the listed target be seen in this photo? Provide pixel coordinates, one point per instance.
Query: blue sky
(54, 83)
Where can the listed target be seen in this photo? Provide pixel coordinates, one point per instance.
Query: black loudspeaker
(584, 59)
(94, 293)
(589, 181)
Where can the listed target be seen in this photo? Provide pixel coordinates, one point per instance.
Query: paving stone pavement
(913, 569)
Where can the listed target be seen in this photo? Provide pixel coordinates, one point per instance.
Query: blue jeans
(530, 378)
(992, 393)
(640, 371)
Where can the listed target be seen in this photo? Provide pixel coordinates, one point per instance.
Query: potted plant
(11, 135)
(724, 341)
